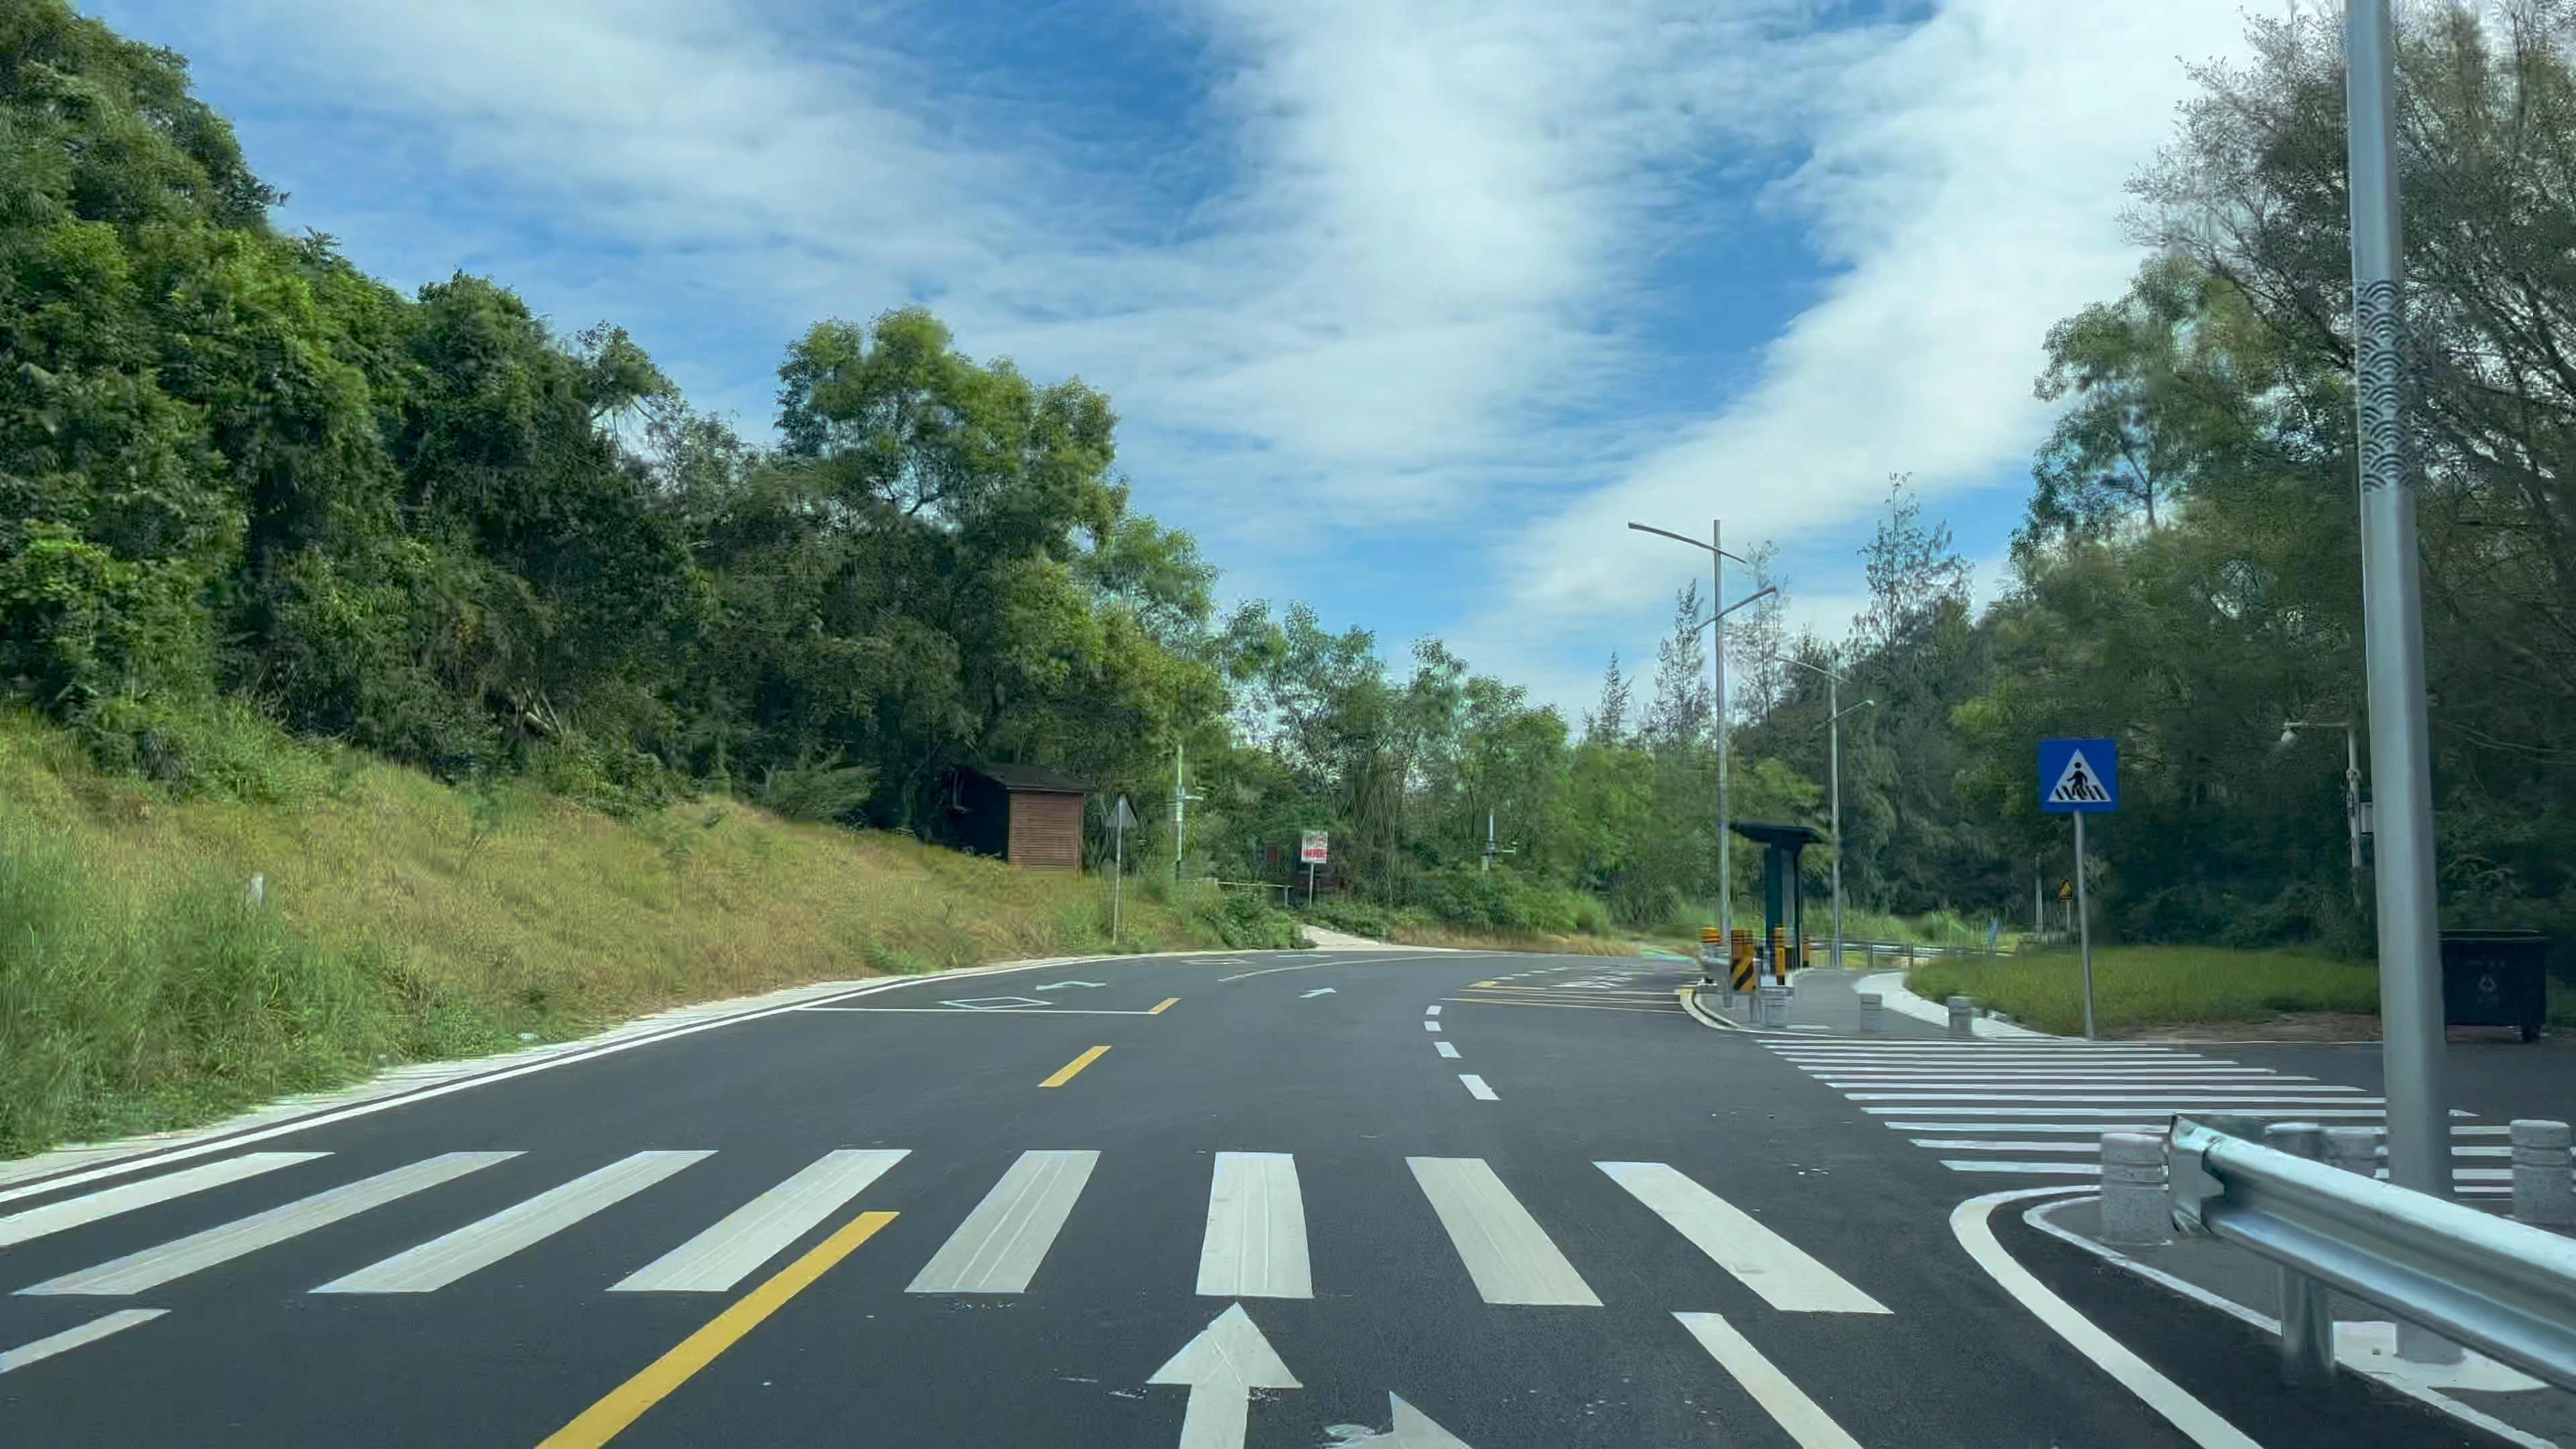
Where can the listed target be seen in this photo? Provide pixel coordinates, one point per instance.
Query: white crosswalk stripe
(1504, 1249)
(442, 1260)
(1000, 1245)
(20, 1227)
(2007, 1101)
(1255, 1245)
(1769, 1264)
(760, 1229)
(143, 1271)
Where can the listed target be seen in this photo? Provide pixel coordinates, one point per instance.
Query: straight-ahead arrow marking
(1221, 1367)
(1060, 985)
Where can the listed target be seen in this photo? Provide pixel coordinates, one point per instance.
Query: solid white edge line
(72, 1338)
(386, 1104)
(1970, 1223)
(1788, 1405)
(1476, 1087)
(2038, 1217)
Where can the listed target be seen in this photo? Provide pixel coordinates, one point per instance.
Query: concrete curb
(390, 1088)
(1896, 996)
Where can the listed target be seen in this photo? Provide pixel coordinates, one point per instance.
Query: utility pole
(2392, 603)
(1717, 652)
(1180, 792)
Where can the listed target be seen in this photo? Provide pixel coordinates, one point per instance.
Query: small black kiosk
(1784, 896)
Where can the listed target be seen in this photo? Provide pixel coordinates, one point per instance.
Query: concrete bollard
(2354, 1149)
(1963, 1016)
(1869, 1011)
(1773, 1003)
(2544, 1177)
(2137, 1209)
(2307, 1306)
(257, 895)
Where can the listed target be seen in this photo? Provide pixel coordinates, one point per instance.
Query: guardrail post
(1963, 1016)
(2307, 1305)
(2354, 1149)
(2136, 1209)
(1870, 1020)
(2544, 1176)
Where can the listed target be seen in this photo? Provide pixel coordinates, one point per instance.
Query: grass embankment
(405, 920)
(2155, 986)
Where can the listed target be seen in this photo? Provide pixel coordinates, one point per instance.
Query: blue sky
(1405, 305)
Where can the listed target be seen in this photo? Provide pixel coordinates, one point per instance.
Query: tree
(1608, 721)
(1678, 717)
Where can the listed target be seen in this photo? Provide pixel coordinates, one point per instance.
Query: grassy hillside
(405, 920)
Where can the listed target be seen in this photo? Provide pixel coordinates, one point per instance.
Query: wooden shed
(1028, 816)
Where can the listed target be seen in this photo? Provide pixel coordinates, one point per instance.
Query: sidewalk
(2245, 1286)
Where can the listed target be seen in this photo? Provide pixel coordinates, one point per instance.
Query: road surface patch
(602, 1421)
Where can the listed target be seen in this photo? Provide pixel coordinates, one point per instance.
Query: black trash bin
(2496, 978)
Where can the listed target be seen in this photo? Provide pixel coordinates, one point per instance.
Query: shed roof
(1029, 779)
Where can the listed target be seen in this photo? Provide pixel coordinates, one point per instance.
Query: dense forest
(244, 489)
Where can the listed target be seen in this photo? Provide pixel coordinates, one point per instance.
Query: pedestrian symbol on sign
(2076, 785)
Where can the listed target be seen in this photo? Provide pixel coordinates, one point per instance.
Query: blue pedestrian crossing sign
(2079, 776)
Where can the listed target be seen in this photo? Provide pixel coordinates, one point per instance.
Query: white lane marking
(2039, 1215)
(72, 1338)
(107, 1202)
(1476, 1087)
(2026, 1109)
(760, 1229)
(1783, 1273)
(1838, 1075)
(1318, 965)
(1978, 1144)
(1431, 1026)
(152, 1267)
(1431, 1011)
(1970, 1223)
(1449, 1049)
(2089, 1129)
(2055, 1169)
(1503, 1247)
(2256, 1095)
(999, 1246)
(1256, 1229)
(444, 1259)
(1787, 1404)
(1318, 991)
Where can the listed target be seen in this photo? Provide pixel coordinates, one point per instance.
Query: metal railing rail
(2503, 1288)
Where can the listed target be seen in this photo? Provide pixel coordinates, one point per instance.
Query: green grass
(407, 921)
(2136, 986)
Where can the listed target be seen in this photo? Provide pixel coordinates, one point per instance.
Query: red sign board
(1315, 848)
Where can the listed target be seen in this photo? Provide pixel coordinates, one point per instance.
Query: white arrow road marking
(1413, 1430)
(1318, 991)
(1060, 985)
(1221, 1367)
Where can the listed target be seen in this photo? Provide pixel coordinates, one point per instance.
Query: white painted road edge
(1970, 1223)
(2038, 1217)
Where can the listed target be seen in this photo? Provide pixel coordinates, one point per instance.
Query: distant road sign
(1316, 849)
(1125, 819)
(2079, 776)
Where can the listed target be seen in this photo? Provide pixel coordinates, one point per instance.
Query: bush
(1502, 899)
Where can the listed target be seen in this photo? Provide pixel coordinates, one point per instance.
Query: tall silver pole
(2084, 925)
(2410, 983)
(1117, 882)
(1717, 648)
(1180, 793)
(1833, 705)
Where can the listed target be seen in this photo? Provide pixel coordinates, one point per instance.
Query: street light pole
(1717, 647)
(1834, 713)
(2392, 601)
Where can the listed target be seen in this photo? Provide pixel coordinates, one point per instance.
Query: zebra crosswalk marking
(1000, 1245)
(33, 1223)
(1255, 1245)
(72, 1338)
(444, 1259)
(1787, 1404)
(1504, 1249)
(762, 1228)
(1762, 1260)
(140, 1272)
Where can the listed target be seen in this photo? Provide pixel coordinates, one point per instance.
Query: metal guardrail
(2503, 1288)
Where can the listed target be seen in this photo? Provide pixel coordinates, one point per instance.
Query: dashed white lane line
(1971, 1223)
(71, 1338)
(1476, 1087)
(1431, 1026)
(1787, 1404)
(1431, 1011)
(108, 1202)
(1447, 1049)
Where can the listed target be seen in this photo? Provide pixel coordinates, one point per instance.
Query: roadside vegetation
(404, 919)
(2148, 986)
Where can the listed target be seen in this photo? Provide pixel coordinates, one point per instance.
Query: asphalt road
(1203, 1202)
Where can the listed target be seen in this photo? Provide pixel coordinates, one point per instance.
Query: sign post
(2080, 778)
(1120, 823)
(1313, 850)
